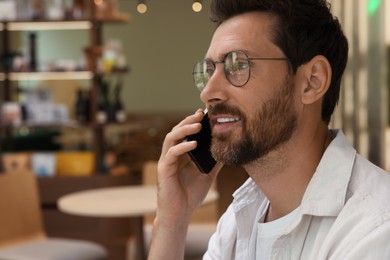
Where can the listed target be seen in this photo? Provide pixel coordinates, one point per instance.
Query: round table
(123, 201)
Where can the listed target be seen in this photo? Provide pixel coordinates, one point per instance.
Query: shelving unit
(94, 26)
(51, 188)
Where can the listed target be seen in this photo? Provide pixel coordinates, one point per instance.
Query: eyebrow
(222, 56)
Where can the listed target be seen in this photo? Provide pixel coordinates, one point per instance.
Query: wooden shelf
(46, 25)
(60, 75)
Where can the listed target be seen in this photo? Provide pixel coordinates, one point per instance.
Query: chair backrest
(149, 173)
(20, 212)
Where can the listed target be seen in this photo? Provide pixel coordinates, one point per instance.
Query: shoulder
(369, 186)
(367, 208)
(364, 220)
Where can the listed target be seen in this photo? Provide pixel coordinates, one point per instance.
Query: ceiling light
(197, 6)
(142, 7)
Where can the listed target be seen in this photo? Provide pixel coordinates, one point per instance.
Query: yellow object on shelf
(75, 163)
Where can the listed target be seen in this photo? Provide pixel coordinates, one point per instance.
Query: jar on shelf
(38, 9)
(55, 10)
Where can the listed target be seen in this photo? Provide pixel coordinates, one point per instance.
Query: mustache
(225, 109)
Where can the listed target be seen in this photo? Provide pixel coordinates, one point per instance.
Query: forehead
(251, 32)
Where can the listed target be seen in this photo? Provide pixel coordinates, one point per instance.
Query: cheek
(256, 97)
(264, 86)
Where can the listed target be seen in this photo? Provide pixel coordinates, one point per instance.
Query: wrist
(171, 224)
(164, 235)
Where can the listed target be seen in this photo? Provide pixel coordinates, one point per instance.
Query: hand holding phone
(201, 155)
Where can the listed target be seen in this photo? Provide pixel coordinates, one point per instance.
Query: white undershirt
(267, 233)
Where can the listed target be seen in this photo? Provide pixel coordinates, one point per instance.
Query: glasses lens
(202, 72)
(237, 68)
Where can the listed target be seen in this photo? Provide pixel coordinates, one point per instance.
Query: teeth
(227, 120)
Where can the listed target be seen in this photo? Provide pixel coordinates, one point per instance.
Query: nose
(215, 90)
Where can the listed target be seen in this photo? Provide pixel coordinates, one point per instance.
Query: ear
(317, 74)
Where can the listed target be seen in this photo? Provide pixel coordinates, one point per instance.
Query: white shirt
(269, 232)
(344, 214)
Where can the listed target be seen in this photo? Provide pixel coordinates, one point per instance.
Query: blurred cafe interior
(90, 88)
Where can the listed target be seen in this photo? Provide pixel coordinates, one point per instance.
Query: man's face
(271, 124)
(249, 121)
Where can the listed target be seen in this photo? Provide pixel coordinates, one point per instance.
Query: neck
(284, 174)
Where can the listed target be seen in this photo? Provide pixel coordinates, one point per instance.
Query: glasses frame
(200, 88)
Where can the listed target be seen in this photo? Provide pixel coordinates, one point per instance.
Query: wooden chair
(22, 235)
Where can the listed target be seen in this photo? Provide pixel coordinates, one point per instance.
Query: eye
(209, 68)
(242, 64)
(238, 65)
(236, 61)
(209, 71)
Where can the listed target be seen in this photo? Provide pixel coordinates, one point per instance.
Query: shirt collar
(327, 190)
(247, 194)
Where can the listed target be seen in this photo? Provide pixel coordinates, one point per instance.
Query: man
(270, 81)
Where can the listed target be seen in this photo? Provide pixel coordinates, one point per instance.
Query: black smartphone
(201, 155)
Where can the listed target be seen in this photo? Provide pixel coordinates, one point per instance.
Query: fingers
(190, 125)
(172, 155)
(189, 119)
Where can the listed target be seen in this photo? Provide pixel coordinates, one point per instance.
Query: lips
(223, 117)
(223, 123)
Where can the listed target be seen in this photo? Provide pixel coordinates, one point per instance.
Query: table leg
(140, 240)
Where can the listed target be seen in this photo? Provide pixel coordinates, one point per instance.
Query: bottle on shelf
(22, 102)
(120, 115)
(24, 10)
(87, 104)
(74, 9)
(115, 107)
(82, 105)
(102, 102)
(54, 10)
(78, 9)
(111, 108)
(32, 51)
(38, 7)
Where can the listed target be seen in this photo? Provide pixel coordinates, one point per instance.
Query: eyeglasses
(237, 69)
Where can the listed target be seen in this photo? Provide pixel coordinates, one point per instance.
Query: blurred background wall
(161, 47)
(363, 108)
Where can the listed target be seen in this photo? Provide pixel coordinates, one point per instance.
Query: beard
(273, 124)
